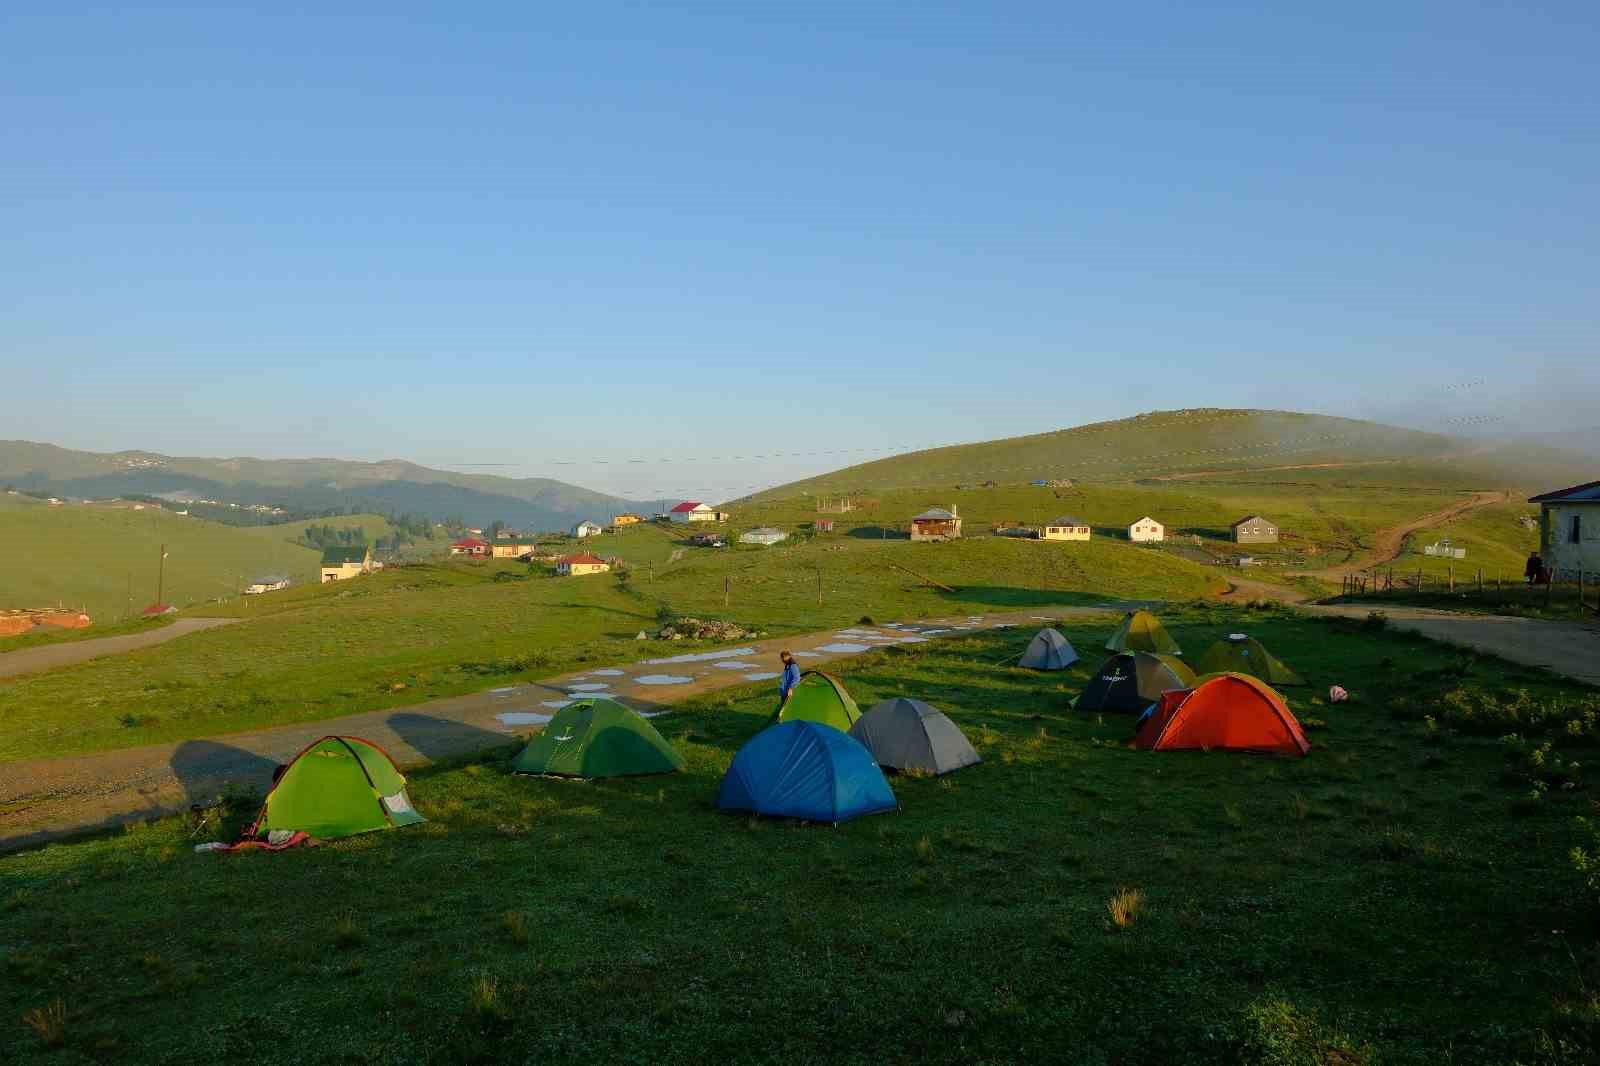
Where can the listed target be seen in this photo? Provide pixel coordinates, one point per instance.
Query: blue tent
(804, 769)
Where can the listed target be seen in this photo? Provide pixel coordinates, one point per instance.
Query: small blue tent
(804, 769)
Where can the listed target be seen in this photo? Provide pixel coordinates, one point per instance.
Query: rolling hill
(392, 486)
(107, 559)
(1205, 443)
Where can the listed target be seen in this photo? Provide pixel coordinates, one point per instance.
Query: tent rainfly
(1143, 631)
(1230, 712)
(1132, 681)
(820, 697)
(906, 734)
(1048, 650)
(805, 770)
(598, 737)
(1242, 654)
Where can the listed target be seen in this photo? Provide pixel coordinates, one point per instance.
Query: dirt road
(45, 799)
(1388, 542)
(50, 656)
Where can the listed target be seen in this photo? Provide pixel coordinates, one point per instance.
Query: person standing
(1533, 569)
(790, 678)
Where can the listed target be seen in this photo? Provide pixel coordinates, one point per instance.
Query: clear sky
(541, 234)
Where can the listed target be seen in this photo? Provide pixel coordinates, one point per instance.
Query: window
(1577, 529)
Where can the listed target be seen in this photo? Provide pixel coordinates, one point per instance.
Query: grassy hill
(1200, 443)
(392, 486)
(87, 556)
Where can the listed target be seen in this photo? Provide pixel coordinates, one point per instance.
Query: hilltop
(391, 486)
(1205, 443)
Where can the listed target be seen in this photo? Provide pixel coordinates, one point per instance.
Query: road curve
(51, 656)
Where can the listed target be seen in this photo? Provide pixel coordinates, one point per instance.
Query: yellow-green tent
(1241, 654)
(1143, 631)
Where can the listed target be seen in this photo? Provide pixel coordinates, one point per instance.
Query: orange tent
(1230, 712)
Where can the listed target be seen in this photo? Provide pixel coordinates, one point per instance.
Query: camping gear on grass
(1129, 683)
(905, 734)
(1242, 654)
(336, 787)
(1230, 712)
(1143, 631)
(806, 770)
(819, 697)
(1048, 650)
(598, 737)
(1337, 694)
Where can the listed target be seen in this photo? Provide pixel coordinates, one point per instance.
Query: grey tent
(907, 734)
(1049, 651)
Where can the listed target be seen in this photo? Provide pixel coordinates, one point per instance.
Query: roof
(588, 522)
(583, 557)
(1067, 520)
(1249, 518)
(1146, 518)
(1589, 493)
(470, 542)
(341, 556)
(934, 514)
(271, 579)
(686, 506)
(765, 531)
(159, 608)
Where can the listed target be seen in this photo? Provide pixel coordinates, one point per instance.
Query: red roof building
(470, 546)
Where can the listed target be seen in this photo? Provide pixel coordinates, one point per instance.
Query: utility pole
(161, 575)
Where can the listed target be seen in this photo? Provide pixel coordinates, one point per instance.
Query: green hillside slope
(86, 556)
(1205, 442)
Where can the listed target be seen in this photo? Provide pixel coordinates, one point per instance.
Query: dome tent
(819, 697)
(1132, 681)
(336, 787)
(1143, 631)
(1242, 654)
(598, 737)
(1048, 650)
(905, 734)
(805, 770)
(1230, 712)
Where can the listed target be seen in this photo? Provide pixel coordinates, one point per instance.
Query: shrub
(1124, 907)
(1274, 1032)
(516, 926)
(49, 1021)
(1586, 860)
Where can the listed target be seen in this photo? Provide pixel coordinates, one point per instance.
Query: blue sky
(532, 234)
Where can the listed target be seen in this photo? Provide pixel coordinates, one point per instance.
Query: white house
(1147, 530)
(1067, 528)
(266, 583)
(1569, 530)
(763, 535)
(587, 529)
(695, 511)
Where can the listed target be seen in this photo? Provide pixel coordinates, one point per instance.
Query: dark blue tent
(804, 769)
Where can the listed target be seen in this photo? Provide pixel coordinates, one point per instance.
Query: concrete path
(1568, 648)
(47, 799)
(50, 656)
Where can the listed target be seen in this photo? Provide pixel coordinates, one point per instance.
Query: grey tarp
(1049, 651)
(905, 734)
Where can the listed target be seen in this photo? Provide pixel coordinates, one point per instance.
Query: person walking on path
(790, 678)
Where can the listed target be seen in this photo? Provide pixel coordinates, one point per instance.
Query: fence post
(1451, 573)
(1419, 577)
(1480, 581)
(725, 583)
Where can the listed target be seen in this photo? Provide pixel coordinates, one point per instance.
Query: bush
(1274, 1032)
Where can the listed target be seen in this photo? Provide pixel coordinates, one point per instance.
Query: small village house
(508, 534)
(823, 525)
(266, 583)
(1569, 530)
(763, 535)
(936, 524)
(1067, 528)
(626, 518)
(471, 546)
(1147, 531)
(341, 564)
(695, 511)
(515, 549)
(581, 564)
(709, 540)
(587, 529)
(1253, 529)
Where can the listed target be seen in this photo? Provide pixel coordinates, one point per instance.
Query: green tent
(598, 737)
(1241, 654)
(820, 697)
(1143, 631)
(337, 787)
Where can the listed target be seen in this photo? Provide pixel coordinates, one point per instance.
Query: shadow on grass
(206, 769)
(1003, 596)
(877, 533)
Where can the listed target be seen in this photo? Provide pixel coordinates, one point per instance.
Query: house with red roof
(581, 564)
(695, 511)
(470, 546)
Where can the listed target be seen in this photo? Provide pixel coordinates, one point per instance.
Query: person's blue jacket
(791, 678)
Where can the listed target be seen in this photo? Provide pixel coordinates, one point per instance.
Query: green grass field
(1402, 895)
(40, 635)
(105, 559)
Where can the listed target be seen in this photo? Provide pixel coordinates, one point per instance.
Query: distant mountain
(1584, 441)
(1165, 444)
(392, 486)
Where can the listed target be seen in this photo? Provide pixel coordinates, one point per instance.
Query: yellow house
(339, 564)
(625, 519)
(513, 550)
(1067, 528)
(579, 565)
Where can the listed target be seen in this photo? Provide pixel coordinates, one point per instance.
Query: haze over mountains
(1187, 444)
